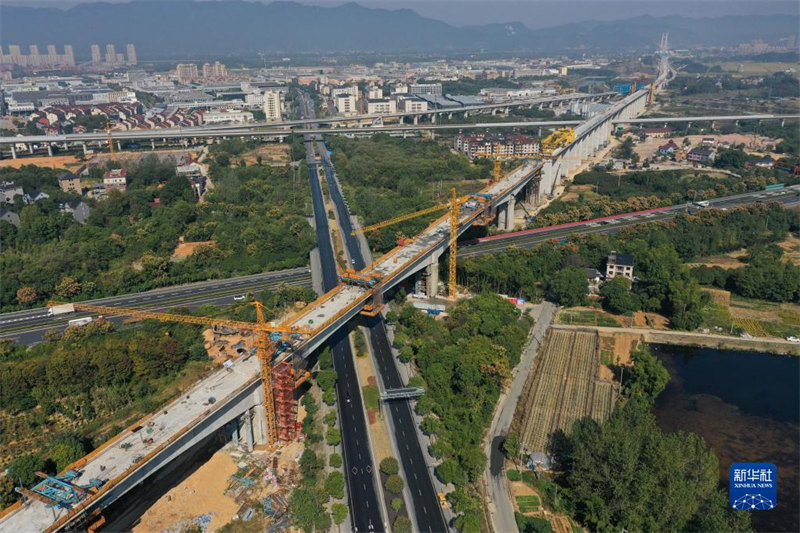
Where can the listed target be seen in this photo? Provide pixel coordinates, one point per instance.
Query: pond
(746, 405)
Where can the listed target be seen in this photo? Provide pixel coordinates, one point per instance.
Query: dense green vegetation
(385, 176)
(59, 399)
(253, 219)
(661, 251)
(463, 363)
(615, 474)
(637, 191)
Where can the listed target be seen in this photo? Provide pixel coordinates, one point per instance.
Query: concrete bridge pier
(433, 118)
(13, 151)
(494, 111)
(416, 119)
(50, 149)
(83, 145)
(509, 211)
(30, 147)
(433, 277)
(152, 144)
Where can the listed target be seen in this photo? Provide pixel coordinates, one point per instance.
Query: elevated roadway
(325, 317)
(29, 326)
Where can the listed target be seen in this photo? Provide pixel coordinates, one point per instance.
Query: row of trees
(384, 177)
(254, 220)
(462, 363)
(625, 473)
(661, 251)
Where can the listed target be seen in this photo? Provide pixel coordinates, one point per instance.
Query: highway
(607, 225)
(427, 512)
(29, 326)
(360, 472)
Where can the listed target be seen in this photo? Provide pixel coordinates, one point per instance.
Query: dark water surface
(746, 405)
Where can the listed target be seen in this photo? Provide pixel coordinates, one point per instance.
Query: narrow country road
(501, 511)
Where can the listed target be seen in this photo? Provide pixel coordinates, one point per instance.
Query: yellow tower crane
(558, 139)
(454, 208)
(110, 141)
(265, 346)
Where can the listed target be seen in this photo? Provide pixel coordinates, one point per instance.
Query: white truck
(79, 321)
(61, 309)
(702, 203)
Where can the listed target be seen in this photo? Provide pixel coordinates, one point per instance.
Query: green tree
(334, 485)
(570, 286)
(512, 448)
(307, 511)
(389, 466)
(23, 469)
(646, 378)
(309, 464)
(401, 525)
(335, 460)
(339, 512)
(327, 379)
(333, 437)
(450, 471)
(397, 504)
(394, 484)
(617, 296)
(65, 451)
(68, 287)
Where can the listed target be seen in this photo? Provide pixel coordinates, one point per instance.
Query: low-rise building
(668, 148)
(381, 105)
(619, 265)
(345, 104)
(8, 190)
(593, 277)
(412, 105)
(80, 210)
(70, 182)
(10, 217)
(482, 145)
(227, 116)
(116, 179)
(700, 155)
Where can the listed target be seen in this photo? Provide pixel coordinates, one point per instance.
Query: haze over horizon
(534, 14)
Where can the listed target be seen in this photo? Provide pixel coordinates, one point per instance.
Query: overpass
(197, 134)
(285, 128)
(232, 397)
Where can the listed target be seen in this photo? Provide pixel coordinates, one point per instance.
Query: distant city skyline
(533, 13)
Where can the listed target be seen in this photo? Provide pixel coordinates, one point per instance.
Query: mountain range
(185, 29)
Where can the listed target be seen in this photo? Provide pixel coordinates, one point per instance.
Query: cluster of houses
(705, 153)
(9, 191)
(58, 119)
(617, 264)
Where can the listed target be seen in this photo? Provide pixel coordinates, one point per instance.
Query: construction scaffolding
(285, 406)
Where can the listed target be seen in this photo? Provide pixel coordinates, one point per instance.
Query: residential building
(111, 54)
(481, 145)
(34, 196)
(669, 148)
(227, 116)
(594, 277)
(273, 103)
(214, 71)
(708, 141)
(8, 190)
(70, 182)
(350, 89)
(96, 57)
(700, 155)
(433, 89)
(10, 217)
(131, 51)
(660, 133)
(80, 210)
(412, 105)
(116, 179)
(346, 104)
(375, 92)
(381, 105)
(619, 265)
(186, 72)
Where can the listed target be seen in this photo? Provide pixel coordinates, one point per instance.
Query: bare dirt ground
(220, 347)
(185, 249)
(271, 154)
(756, 143)
(57, 161)
(576, 190)
(791, 248)
(202, 493)
(650, 320)
(730, 260)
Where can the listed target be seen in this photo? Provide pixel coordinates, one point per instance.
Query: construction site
(567, 382)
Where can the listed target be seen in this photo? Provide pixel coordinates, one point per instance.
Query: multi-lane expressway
(29, 326)
(789, 197)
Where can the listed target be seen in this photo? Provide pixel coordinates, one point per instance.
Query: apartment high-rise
(111, 54)
(131, 51)
(96, 57)
(272, 105)
(186, 72)
(69, 56)
(34, 59)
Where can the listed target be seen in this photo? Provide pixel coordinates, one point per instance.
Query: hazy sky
(538, 13)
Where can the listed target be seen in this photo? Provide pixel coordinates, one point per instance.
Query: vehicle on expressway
(79, 321)
(703, 203)
(591, 222)
(61, 309)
